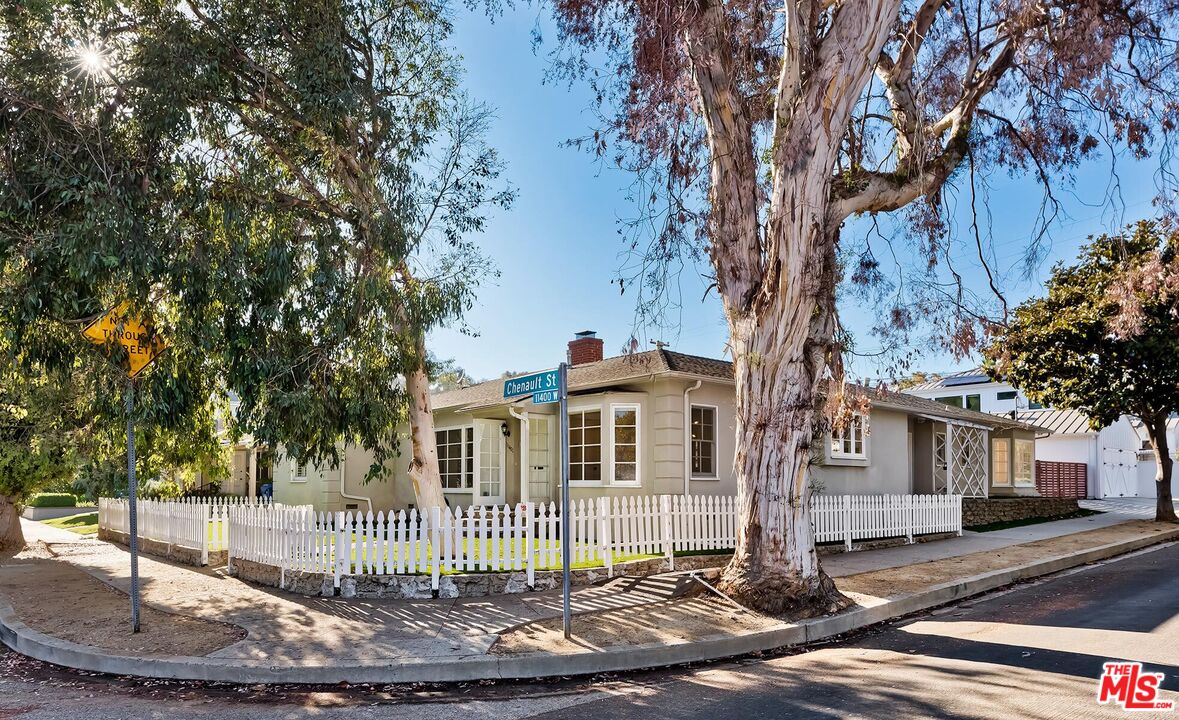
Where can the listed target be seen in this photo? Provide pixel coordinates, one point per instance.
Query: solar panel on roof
(965, 380)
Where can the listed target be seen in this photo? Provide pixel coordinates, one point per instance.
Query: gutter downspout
(523, 446)
(688, 437)
(343, 492)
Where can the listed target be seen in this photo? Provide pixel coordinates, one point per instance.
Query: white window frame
(296, 476)
(839, 437)
(1030, 446)
(1008, 464)
(603, 430)
(638, 461)
(691, 443)
(468, 480)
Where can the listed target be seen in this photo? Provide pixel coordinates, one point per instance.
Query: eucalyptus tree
(339, 133)
(284, 190)
(757, 129)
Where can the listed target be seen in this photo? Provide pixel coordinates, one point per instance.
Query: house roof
(973, 376)
(931, 408)
(604, 372)
(657, 362)
(1060, 422)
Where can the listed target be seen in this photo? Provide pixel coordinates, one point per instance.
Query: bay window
(585, 446)
(1001, 461)
(626, 444)
(1025, 463)
(456, 457)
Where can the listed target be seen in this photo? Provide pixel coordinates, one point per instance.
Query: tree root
(783, 594)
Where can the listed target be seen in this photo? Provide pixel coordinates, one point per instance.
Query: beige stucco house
(661, 422)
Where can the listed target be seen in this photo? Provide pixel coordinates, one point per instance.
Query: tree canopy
(1099, 342)
(284, 190)
(757, 131)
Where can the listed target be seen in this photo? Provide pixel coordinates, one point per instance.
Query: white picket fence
(196, 523)
(867, 517)
(527, 537)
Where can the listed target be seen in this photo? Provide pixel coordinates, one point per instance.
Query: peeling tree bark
(423, 463)
(778, 286)
(12, 537)
(1156, 430)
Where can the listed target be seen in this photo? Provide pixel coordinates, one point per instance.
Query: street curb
(23, 639)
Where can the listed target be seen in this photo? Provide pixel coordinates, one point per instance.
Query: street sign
(548, 387)
(533, 384)
(545, 396)
(118, 327)
(140, 341)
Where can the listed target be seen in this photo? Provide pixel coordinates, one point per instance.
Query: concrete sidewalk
(296, 639)
(854, 563)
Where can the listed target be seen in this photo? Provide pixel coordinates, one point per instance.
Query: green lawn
(482, 549)
(83, 523)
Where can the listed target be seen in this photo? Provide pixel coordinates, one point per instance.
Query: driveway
(1136, 508)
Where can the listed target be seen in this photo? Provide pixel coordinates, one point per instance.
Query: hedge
(47, 500)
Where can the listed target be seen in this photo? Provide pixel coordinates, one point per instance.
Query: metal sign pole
(133, 518)
(562, 376)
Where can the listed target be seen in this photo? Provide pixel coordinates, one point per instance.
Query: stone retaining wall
(476, 584)
(177, 553)
(417, 587)
(836, 548)
(983, 511)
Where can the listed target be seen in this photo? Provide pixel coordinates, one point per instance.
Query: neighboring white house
(662, 422)
(1117, 465)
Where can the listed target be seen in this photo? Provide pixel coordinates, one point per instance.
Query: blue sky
(558, 248)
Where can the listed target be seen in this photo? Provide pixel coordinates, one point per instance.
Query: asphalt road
(1033, 651)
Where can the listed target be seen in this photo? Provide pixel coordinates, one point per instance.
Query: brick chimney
(585, 347)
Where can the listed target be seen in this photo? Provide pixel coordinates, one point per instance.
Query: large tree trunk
(778, 286)
(423, 464)
(781, 352)
(12, 537)
(1156, 430)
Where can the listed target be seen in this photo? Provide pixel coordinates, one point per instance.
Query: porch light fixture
(504, 429)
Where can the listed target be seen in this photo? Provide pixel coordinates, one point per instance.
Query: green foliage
(1060, 349)
(281, 188)
(447, 375)
(46, 500)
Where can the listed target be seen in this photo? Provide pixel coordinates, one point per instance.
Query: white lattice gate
(968, 460)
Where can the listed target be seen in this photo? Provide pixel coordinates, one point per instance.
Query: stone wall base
(838, 548)
(482, 584)
(168, 551)
(984, 511)
(417, 587)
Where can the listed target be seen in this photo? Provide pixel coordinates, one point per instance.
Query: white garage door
(1119, 473)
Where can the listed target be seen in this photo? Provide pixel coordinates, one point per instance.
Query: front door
(540, 457)
(489, 465)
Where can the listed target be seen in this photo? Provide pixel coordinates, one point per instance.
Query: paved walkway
(971, 542)
(326, 628)
(284, 628)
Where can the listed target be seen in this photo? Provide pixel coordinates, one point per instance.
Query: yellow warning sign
(139, 340)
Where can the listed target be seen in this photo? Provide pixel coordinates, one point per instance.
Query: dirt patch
(909, 579)
(55, 598)
(686, 619)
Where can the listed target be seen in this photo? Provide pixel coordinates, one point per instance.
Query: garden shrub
(47, 500)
